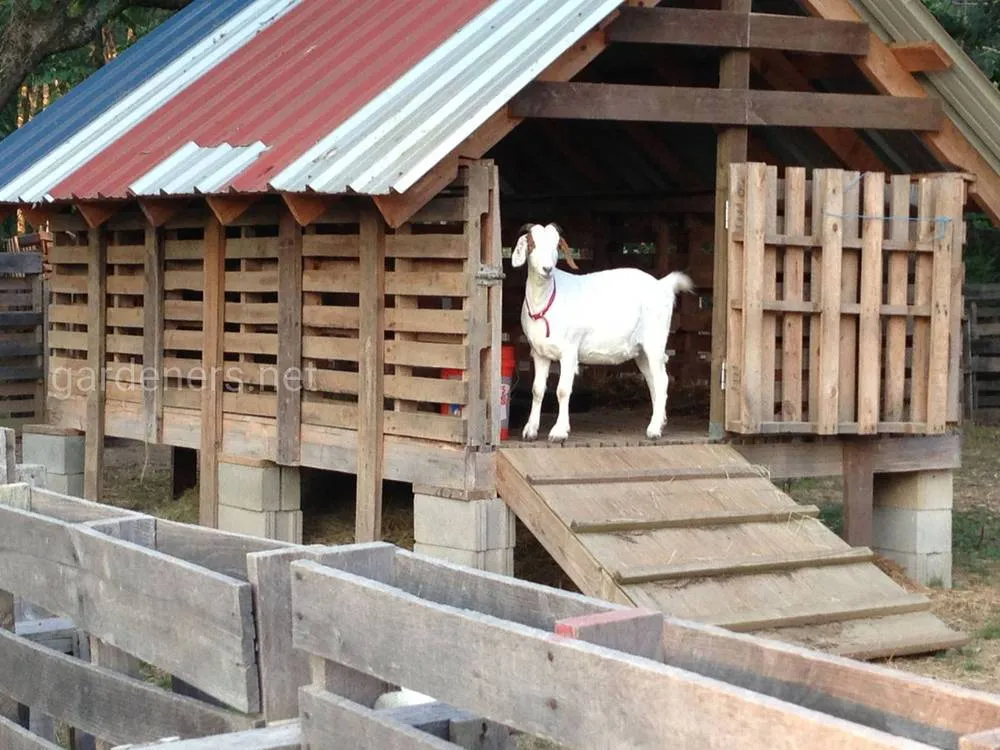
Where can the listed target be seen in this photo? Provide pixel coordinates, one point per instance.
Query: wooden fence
(841, 297)
(281, 647)
(22, 332)
(982, 352)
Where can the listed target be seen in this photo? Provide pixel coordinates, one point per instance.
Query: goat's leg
(658, 370)
(567, 371)
(642, 361)
(530, 431)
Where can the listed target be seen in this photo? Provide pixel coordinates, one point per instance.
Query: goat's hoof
(652, 434)
(558, 436)
(529, 432)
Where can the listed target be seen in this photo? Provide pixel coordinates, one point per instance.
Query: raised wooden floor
(699, 533)
(604, 427)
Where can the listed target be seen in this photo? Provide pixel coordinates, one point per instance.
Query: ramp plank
(698, 532)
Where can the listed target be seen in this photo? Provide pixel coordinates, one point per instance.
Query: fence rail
(289, 647)
(982, 352)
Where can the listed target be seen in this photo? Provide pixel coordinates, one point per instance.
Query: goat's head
(540, 246)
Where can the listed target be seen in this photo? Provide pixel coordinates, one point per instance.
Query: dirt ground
(139, 479)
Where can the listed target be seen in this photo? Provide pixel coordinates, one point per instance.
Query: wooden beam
(289, 386)
(97, 311)
(948, 144)
(731, 147)
(604, 101)
(847, 145)
(152, 336)
(213, 315)
(397, 209)
(228, 208)
(307, 208)
(371, 367)
(989, 740)
(159, 211)
(921, 57)
(859, 478)
(96, 213)
(731, 29)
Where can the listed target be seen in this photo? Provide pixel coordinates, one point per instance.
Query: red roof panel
(289, 87)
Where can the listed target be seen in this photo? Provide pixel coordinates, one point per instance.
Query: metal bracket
(722, 376)
(489, 276)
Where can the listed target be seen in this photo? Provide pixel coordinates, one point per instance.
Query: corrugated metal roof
(35, 183)
(403, 132)
(300, 77)
(968, 96)
(134, 66)
(193, 169)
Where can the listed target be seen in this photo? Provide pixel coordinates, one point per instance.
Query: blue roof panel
(73, 111)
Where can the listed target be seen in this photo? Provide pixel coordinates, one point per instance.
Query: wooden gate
(840, 297)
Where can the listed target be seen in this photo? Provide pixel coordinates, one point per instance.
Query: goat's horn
(569, 254)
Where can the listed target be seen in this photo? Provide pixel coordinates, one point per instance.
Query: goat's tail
(677, 281)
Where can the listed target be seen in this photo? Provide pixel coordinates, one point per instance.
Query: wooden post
(289, 386)
(859, 479)
(97, 279)
(212, 363)
(152, 336)
(371, 365)
(493, 257)
(8, 707)
(734, 73)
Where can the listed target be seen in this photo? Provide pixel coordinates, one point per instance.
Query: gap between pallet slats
(769, 292)
(898, 269)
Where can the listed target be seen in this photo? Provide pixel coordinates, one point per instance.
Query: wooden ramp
(697, 532)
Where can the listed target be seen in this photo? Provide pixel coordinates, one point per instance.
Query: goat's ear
(520, 253)
(568, 254)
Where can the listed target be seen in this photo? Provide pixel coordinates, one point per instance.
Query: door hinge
(489, 276)
(722, 376)
(727, 214)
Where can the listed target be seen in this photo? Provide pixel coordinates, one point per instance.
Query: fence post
(8, 707)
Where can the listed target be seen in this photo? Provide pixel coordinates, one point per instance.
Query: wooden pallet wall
(68, 376)
(840, 297)
(22, 332)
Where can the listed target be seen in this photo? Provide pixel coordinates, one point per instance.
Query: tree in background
(49, 46)
(976, 27)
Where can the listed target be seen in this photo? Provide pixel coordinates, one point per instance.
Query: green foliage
(976, 28)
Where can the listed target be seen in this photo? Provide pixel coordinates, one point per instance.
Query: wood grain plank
(948, 212)
(447, 640)
(895, 350)
(96, 354)
(212, 361)
(870, 324)
(793, 285)
(152, 342)
(734, 351)
(829, 360)
(371, 369)
(850, 295)
(289, 393)
(769, 293)
(923, 282)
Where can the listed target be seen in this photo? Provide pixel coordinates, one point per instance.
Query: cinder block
(918, 490)
(256, 488)
(285, 526)
(462, 524)
(65, 484)
(912, 531)
(932, 569)
(33, 474)
(59, 454)
(493, 560)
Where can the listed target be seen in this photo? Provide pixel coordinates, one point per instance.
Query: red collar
(541, 315)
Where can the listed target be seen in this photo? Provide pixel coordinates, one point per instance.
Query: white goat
(602, 318)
